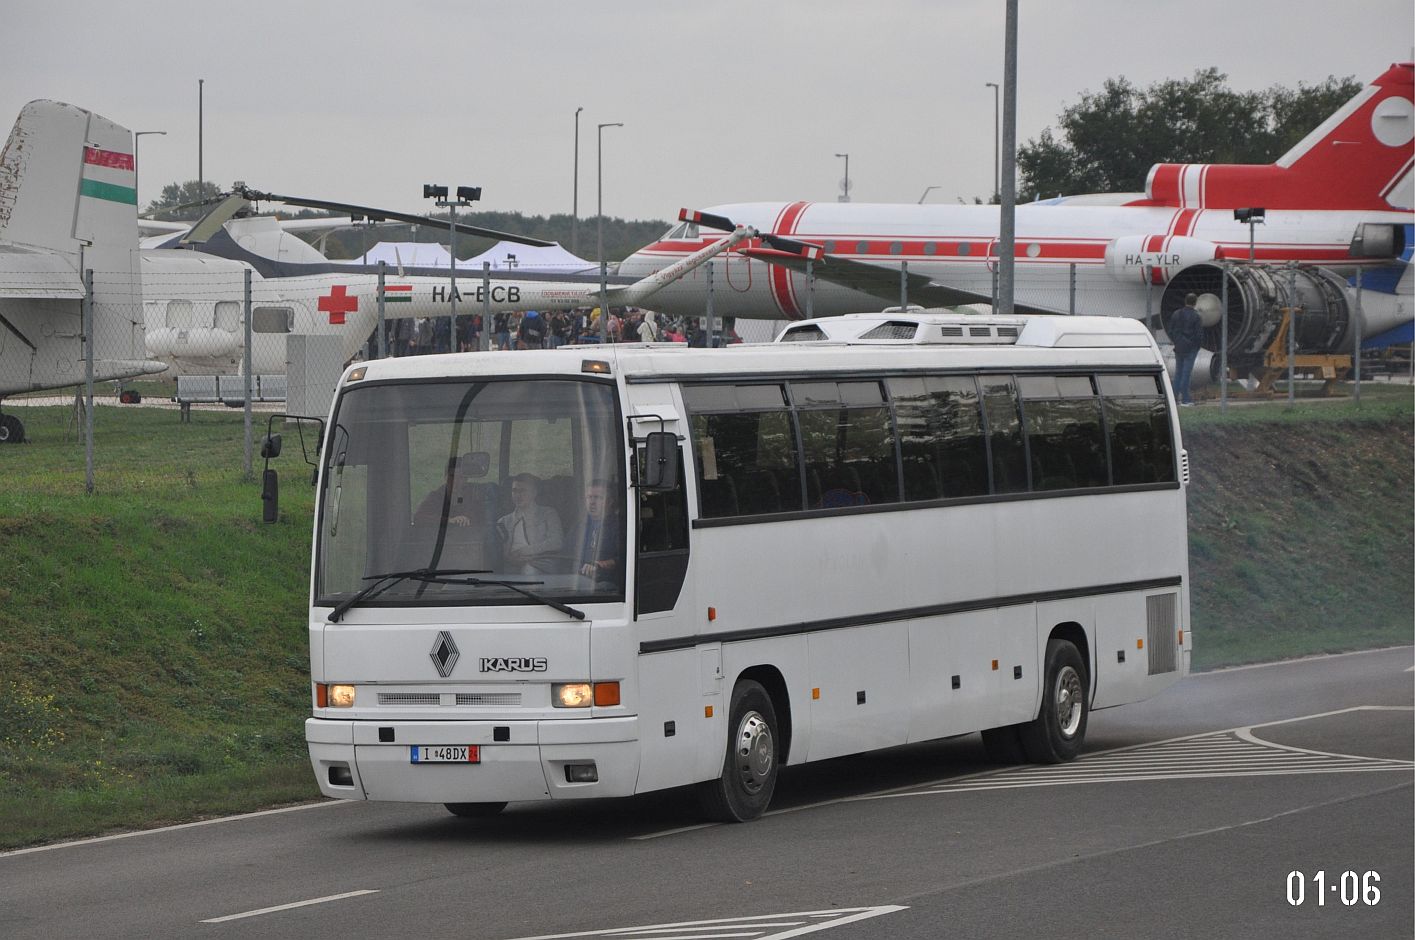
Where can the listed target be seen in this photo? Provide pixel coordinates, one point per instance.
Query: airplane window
(862, 248)
(964, 248)
(896, 248)
(829, 248)
(673, 233)
(930, 248)
(690, 231)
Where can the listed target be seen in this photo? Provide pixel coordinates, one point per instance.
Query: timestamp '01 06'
(1349, 886)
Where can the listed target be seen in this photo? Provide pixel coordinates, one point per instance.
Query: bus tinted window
(1138, 421)
(941, 442)
(746, 463)
(1009, 460)
(1064, 436)
(848, 451)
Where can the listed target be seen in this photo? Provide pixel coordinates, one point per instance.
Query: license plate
(446, 754)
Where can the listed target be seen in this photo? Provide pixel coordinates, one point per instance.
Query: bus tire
(1004, 745)
(749, 771)
(474, 810)
(1056, 734)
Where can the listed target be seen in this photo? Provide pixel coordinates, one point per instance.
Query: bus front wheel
(1056, 734)
(748, 778)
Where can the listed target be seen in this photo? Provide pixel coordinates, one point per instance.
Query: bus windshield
(493, 492)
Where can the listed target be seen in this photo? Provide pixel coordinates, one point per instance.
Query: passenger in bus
(463, 509)
(531, 534)
(601, 535)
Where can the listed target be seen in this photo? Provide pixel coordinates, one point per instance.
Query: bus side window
(1009, 456)
(1137, 421)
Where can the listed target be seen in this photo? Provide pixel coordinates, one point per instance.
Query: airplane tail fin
(68, 202)
(1360, 158)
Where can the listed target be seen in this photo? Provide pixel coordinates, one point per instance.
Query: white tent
(509, 256)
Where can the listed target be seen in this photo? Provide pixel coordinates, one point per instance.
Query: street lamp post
(466, 195)
(603, 265)
(575, 210)
(996, 182)
(845, 196)
(201, 94)
(137, 138)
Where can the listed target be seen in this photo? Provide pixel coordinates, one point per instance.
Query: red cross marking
(337, 303)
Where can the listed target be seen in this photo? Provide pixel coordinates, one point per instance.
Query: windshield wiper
(382, 582)
(519, 588)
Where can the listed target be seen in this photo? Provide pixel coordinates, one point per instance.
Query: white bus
(596, 572)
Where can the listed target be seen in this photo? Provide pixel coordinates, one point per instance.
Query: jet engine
(1257, 296)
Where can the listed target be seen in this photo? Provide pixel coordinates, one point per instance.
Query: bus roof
(1042, 341)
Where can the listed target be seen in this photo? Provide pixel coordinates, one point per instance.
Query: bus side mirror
(270, 495)
(660, 461)
(270, 447)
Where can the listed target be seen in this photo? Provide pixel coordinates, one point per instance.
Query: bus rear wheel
(474, 810)
(1056, 734)
(748, 778)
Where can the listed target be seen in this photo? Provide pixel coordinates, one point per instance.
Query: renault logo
(444, 654)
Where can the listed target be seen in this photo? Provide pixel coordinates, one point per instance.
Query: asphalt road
(1186, 817)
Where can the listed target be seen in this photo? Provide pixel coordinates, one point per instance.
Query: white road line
(287, 907)
(764, 927)
(1221, 752)
(191, 825)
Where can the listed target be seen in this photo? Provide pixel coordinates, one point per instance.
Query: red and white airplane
(1341, 197)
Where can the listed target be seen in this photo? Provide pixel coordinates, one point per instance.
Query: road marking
(1236, 752)
(762, 927)
(1224, 760)
(191, 825)
(287, 907)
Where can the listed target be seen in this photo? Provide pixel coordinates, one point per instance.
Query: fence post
(903, 286)
(1072, 307)
(1223, 340)
(249, 384)
(485, 340)
(382, 321)
(1291, 334)
(708, 327)
(1356, 343)
(88, 379)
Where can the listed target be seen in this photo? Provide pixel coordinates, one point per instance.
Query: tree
(1109, 140)
(183, 202)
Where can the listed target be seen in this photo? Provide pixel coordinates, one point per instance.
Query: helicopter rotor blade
(381, 215)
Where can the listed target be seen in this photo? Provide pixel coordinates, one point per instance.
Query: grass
(1300, 526)
(155, 664)
(153, 658)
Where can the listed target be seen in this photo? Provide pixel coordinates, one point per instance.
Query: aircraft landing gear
(12, 430)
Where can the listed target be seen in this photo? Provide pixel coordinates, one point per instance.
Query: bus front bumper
(519, 760)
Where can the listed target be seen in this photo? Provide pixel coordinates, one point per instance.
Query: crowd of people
(532, 329)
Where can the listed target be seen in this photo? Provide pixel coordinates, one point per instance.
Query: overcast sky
(722, 101)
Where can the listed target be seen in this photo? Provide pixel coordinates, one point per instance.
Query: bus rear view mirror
(270, 447)
(270, 495)
(660, 461)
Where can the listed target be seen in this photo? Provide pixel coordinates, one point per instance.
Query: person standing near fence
(1186, 332)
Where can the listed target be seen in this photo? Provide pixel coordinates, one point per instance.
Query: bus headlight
(333, 696)
(584, 694)
(571, 694)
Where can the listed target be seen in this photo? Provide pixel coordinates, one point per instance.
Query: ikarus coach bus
(601, 571)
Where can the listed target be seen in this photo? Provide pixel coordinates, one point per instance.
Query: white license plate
(446, 754)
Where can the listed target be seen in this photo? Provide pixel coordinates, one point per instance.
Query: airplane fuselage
(1089, 259)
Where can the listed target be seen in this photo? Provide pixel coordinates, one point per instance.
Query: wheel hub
(1070, 699)
(755, 752)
